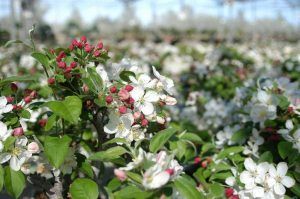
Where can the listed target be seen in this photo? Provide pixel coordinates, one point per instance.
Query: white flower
(224, 136)
(254, 173)
(167, 83)
(296, 140)
(262, 112)
(4, 134)
(4, 107)
(144, 101)
(119, 125)
(137, 161)
(17, 155)
(281, 180)
(155, 178)
(144, 81)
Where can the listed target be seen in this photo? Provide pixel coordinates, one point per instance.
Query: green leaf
(40, 57)
(14, 182)
(230, 151)
(10, 42)
(239, 136)
(192, 137)
(131, 192)
(266, 157)
(95, 78)
(217, 190)
(69, 109)
(87, 169)
(160, 139)
(116, 140)
(124, 75)
(25, 114)
(296, 189)
(83, 188)
(186, 189)
(1, 178)
(56, 149)
(284, 149)
(25, 78)
(110, 154)
(134, 176)
(50, 122)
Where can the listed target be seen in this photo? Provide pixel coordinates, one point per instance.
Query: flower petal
(4, 157)
(147, 108)
(151, 96)
(279, 189)
(14, 163)
(250, 164)
(288, 182)
(282, 169)
(137, 93)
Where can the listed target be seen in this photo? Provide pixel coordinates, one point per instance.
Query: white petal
(272, 171)
(289, 124)
(111, 126)
(127, 120)
(279, 189)
(7, 108)
(4, 157)
(230, 181)
(246, 177)
(156, 73)
(137, 93)
(288, 182)
(1, 146)
(3, 101)
(263, 97)
(147, 108)
(282, 169)
(21, 141)
(14, 163)
(258, 192)
(3, 129)
(144, 80)
(250, 164)
(159, 180)
(151, 96)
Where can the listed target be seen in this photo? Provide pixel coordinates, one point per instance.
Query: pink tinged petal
(250, 164)
(279, 189)
(282, 169)
(258, 192)
(288, 182)
(151, 96)
(160, 180)
(147, 108)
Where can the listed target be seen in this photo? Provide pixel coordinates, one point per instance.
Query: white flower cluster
(262, 180)
(163, 168)
(132, 106)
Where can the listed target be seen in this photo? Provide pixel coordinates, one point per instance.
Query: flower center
(16, 151)
(121, 127)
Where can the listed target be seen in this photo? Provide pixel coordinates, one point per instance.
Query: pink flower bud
(100, 45)
(160, 120)
(68, 70)
(197, 160)
(170, 171)
(88, 48)
(128, 88)
(170, 100)
(33, 147)
(42, 122)
(130, 100)
(123, 94)
(122, 109)
(18, 131)
(109, 99)
(27, 99)
(137, 115)
(144, 122)
(97, 53)
(121, 175)
(85, 88)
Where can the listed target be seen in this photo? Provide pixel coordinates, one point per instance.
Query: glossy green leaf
(83, 188)
(14, 182)
(160, 138)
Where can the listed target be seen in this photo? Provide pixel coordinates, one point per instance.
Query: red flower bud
(62, 54)
(130, 100)
(27, 99)
(67, 75)
(17, 107)
(144, 122)
(74, 42)
(71, 47)
(109, 99)
(204, 164)
(9, 99)
(97, 53)
(73, 64)
(42, 122)
(68, 70)
(229, 192)
(235, 197)
(18, 131)
(51, 81)
(62, 65)
(33, 94)
(113, 89)
(83, 39)
(128, 88)
(122, 109)
(88, 48)
(14, 87)
(197, 160)
(100, 45)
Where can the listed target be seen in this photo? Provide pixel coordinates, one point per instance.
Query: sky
(58, 11)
